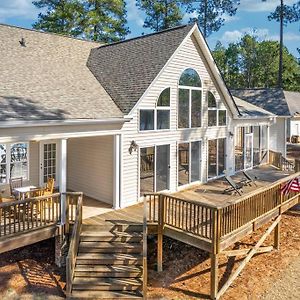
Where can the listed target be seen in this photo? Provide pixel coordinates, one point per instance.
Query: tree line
(251, 63)
(106, 21)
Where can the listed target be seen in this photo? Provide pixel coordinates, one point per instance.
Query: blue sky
(252, 15)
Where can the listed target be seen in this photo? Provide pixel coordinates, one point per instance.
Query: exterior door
(162, 167)
(248, 150)
(48, 161)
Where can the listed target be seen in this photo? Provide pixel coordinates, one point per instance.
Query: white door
(248, 150)
(48, 161)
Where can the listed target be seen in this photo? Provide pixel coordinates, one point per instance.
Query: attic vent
(22, 42)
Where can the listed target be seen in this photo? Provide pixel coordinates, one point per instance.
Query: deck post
(160, 233)
(214, 255)
(117, 172)
(277, 228)
(63, 178)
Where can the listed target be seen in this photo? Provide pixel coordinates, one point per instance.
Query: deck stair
(109, 263)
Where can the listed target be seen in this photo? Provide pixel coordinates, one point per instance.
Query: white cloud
(134, 14)
(229, 19)
(260, 6)
(17, 9)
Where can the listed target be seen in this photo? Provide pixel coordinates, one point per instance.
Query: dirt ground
(30, 273)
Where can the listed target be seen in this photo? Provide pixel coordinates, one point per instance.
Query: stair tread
(89, 244)
(105, 268)
(108, 256)
(105, 295)
(111, 234)
(106, 281)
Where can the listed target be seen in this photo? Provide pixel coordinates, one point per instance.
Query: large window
(189, 100)
(189, 162)
(13, 161)
(216, 116)
(159, 118)
(216, 157)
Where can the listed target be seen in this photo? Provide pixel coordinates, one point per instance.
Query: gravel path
(288, 285)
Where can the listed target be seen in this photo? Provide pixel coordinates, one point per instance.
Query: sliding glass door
(248, 150)
(154, 169)
(216, 157)
(189, 162)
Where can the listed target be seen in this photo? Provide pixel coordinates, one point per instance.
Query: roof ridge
(51, 33)
(148, 35)
(256, 88)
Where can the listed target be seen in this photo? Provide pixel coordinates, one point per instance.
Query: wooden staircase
(109, 263)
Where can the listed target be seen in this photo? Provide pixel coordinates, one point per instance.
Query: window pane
(211, 100)
(221, 156)
(18, 159)
(256, 147)
(183, 109)
(195, 161)
(146, 119)
(147, 170)
(196, 108)
(162, 167)
(212, 158)
(164, 98)
(222, 117)
(3, 173)
(183, 164)
(212, 118)
(239, 149)
(163, 119)
(190, 78)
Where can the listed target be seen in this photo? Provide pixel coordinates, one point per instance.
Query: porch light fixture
(133, 147)
(231, 134)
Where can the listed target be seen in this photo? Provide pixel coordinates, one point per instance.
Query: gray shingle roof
(272, 100)
(293, 101)
(126, 69)
(48, 79)
(249, 110)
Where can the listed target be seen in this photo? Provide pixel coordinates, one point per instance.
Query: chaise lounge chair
(236, 187)
(250, 179)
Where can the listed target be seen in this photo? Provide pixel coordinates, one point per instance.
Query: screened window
(216, 117)
(189, 100)
(146, 119)
(13, 161)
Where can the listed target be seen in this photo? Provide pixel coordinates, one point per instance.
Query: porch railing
(74, 241)
(216, 222)
(278, 160)
(26, 215)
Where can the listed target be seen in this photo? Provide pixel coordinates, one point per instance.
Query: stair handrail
(74, 244)
(145, 233)
(278, 160)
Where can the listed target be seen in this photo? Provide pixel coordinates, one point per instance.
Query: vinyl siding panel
(278, 136)
(90, 167)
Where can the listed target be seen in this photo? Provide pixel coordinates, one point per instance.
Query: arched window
(189, 99)
(158, 118)
(216, 117)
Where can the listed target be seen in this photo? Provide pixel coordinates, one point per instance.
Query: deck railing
(278, 160)
(74, 241)
(215, 222)
(26, 215)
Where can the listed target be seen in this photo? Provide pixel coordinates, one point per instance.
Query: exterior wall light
(133, 147)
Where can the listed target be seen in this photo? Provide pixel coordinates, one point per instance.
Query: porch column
(62, 175)
(117, 171)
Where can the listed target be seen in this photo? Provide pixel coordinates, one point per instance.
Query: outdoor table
(23, 190)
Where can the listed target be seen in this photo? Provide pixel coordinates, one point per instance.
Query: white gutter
(38, 123)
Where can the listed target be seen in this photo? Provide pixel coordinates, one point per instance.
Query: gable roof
(249, 110)
(48, 78)
(272, 99)
(126, 69)
(293, 101)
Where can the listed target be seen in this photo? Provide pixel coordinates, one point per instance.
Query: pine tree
(160, 14)
(105, 20)
(210, 13)
(61, 16)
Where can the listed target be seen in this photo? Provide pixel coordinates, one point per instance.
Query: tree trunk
(280, 69)
(205, 19)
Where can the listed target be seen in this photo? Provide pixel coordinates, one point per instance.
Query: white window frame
(190, 88)
(217, 109)
(190, 162)
(8, 161)
(155, 109)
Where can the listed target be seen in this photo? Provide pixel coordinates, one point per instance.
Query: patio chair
(250, 179)
(236, 187)
(14, 183)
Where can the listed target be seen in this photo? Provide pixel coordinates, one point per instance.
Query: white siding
(295, 127)
(278, 136)
(187, 57)
(90, 167)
